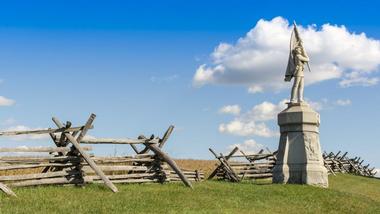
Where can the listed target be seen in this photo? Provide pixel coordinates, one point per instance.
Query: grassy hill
(347, 194)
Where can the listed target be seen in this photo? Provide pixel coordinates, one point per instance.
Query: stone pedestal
(299, 158)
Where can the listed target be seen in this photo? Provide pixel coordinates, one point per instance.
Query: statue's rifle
(299, 40)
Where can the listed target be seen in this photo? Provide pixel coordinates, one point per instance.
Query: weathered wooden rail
(235, 168)
(260, 165)
(68, 163)
(341, 163)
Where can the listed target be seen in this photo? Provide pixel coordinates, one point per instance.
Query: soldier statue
(296, 66)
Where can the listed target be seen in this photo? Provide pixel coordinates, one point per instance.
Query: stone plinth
(299, 158)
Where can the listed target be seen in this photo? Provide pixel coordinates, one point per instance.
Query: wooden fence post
(227, 158)
(87, 158)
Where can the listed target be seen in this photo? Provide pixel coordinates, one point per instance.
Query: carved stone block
(299, 158)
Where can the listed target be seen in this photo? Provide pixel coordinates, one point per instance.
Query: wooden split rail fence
(341, 163)
(69, 163)
(260, 165)
(236, 167)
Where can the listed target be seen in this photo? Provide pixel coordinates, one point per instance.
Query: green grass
(347, 194)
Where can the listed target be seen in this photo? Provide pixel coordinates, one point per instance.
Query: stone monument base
(299, 157)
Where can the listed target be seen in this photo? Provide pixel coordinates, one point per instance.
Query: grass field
(347, 194)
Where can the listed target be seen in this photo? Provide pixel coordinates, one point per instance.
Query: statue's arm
(303, 58)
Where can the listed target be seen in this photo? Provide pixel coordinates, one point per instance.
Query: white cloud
(6, 101)
(258, 60)
(244, 127)
(317, 105)
(25, 137)
(355, 78)
(266, 110)
(255, 89)
(344, 102)
(252, 123)
(230, 109)
(249, 146)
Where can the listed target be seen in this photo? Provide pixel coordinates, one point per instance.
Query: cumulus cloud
(258, 60)
(248, 146)
(317, 105)
(252, 123)
(266, 110)
(328, 104)
(355, 78)
(230, 109)
(244, 127)
(6, 101)
(344, 102)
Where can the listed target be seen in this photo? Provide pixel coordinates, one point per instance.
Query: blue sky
(133, 64)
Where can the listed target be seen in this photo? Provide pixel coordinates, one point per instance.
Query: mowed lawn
(347, 194)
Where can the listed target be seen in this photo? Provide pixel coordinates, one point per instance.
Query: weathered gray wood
(135, 181)
(117, 141)
(37, 175)
(246, 157)
(337, 154)
(227, 158)
(126, 160)
(188, 176)
(40, 131)
(197, 175)
(53, 137)
(252, 171)
(134, 148)
(184, 172)
(345, 164)
(144, 156)
(259, 165)
(31, 166)
(87, 158)
(86, 127)
(232, 173)
(263, 164)
(7, 190)
(343, 156)
(253, 156)
(41, 149)
(264, 175)
(329, 168)
(37, 159)
(166, 136)
(146, 150)
(171, 163)
(358, 171)
(62, 142)
(124, 176)
(88, 169)
(226, 167)
(178, 179)
(48, 181)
